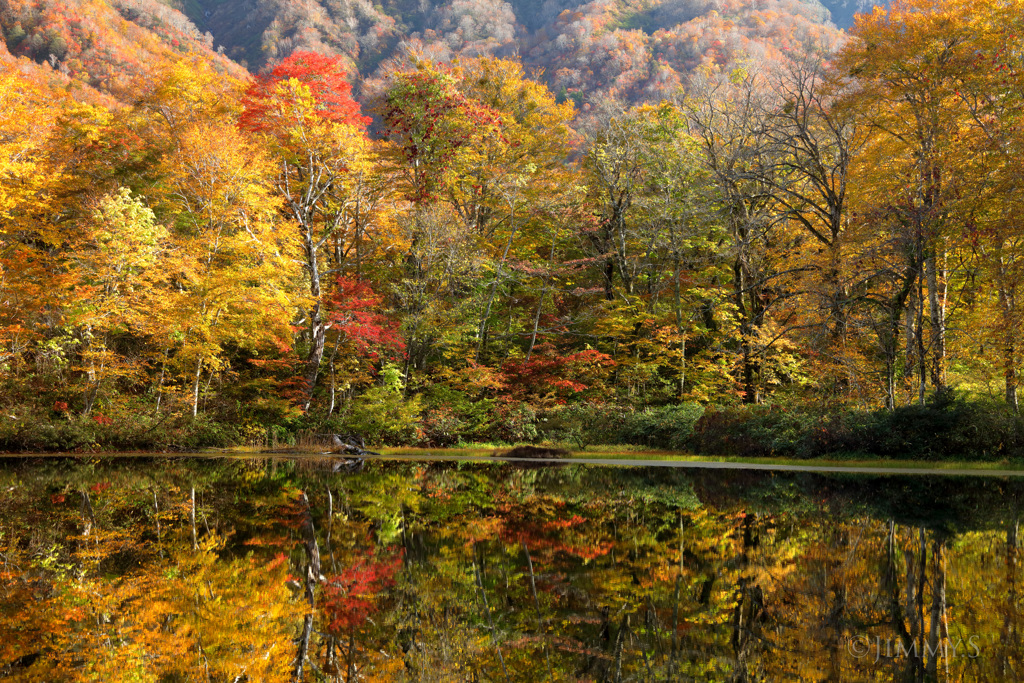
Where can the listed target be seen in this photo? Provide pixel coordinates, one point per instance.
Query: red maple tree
(324, 75)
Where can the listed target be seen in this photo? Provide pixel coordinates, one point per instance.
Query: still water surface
(279, 569)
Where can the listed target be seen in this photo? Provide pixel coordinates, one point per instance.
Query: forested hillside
(192, 255)
(628, 51)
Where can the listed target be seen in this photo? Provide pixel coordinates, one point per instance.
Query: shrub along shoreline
(944, 429)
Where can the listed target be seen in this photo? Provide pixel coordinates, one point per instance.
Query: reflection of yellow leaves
(479, 529)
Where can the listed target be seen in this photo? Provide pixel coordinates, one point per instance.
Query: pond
(280, 569)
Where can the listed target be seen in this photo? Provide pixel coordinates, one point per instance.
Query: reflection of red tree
(566, 534)
(349, 597)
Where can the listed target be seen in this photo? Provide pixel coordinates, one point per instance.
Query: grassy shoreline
(655, 455)
(478, 452)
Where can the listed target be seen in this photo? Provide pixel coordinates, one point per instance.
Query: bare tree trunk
(481, 341)
(1008, 324)
(540, 302)
(1010, 372)
(921, 361)
(206, 389)
(746, 315)
(195, 388)
(936, 275)
(93, 385)
(910, 333)
(330, 364)
(317, 326)
(160, 385)
(677, 295)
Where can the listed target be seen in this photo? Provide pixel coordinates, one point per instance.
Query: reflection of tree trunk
(312, 577)
(490, 622)
(192, 517)
(675, 606)
(1009, 637)
(922, 574)
(747, 613)
(156, 518)
(706, 589)
(330, 526)
(536, 604)
(331, 656)
(936, 627)
(619, 638)
(643, 650)
(892, 589)
(350, 672)
(88, 517)
(916, 575)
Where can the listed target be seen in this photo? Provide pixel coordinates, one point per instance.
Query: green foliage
(34, 433)
(453, 417)
(667, 426)
(577, 423)
(118, 427)
(515, 423)
(753, 431)
(945, 429)
(383, 416)
(204, 432)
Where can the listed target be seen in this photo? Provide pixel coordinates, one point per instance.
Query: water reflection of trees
(184, 570)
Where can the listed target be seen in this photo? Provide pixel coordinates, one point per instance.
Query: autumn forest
(801, 249)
